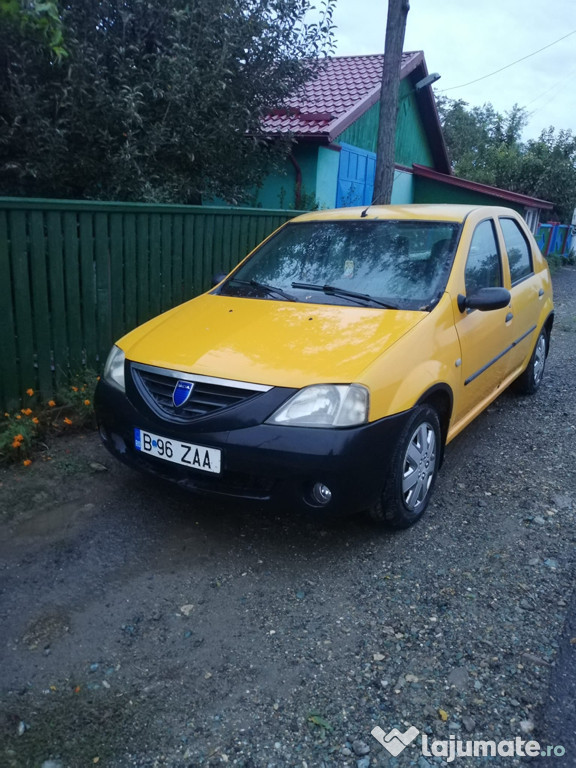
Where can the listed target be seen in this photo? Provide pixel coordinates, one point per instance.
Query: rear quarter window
(518, 249)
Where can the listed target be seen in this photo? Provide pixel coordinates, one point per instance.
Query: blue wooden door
(355, 176)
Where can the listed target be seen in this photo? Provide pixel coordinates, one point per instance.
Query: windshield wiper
(268, 289)
(333, 290)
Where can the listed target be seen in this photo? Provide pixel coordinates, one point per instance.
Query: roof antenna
(374, 202)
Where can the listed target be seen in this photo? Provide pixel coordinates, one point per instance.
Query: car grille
(208, 396)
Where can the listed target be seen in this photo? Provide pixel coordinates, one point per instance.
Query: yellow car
(331, 367)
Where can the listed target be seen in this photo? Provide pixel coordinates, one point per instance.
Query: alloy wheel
(419, 466)
(539, 359)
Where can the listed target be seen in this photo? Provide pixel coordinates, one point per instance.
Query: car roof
(436, 212)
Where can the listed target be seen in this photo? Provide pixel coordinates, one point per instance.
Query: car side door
(526, 290)
(484, 335)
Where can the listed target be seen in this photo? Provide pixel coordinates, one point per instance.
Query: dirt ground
(140, 626)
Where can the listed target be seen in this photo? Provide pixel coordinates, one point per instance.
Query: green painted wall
(278, 189)
(403, 188)
(327, 177)
(363, 133)
(307, 157)
(411, 140)
(430, 191)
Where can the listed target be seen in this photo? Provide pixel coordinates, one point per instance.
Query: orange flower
(26, 411)
(16, 443)
(27, 462)
(35, 420)
(74, 389)
(86, 402)
(6, 414)
(67, 420)
(30, 392)
(18, 416)
(51, 403)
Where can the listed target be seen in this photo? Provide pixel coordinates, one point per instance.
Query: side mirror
(485, 299)
(217, 278)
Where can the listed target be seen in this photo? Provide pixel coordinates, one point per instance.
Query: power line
(484, 77)
(555, 86)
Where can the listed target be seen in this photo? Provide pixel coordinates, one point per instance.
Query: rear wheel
(529, 381)
(413, 471)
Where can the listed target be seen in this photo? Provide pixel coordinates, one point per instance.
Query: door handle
(509, 317)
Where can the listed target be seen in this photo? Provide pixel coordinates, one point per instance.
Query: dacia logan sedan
(332, 366)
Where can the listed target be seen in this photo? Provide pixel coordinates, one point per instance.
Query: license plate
(186, 454)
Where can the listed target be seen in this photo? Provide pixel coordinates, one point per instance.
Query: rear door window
(519, 255)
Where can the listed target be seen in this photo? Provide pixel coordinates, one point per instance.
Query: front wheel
(413, 471)
(529, 381)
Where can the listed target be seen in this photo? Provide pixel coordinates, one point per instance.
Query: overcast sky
(466, 39)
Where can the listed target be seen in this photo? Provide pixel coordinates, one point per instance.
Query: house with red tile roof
(334, 121)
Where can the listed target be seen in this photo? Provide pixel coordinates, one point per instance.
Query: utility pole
(395, 29)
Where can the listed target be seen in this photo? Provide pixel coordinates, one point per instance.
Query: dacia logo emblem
(182, 393)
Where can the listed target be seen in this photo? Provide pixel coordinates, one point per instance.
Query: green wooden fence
(75, 276)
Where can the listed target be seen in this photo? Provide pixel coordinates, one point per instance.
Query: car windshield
(379, 263)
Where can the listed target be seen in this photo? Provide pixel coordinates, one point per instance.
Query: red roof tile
(344, 84)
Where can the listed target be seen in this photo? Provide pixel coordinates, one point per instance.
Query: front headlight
(114, 368)
(325, 405)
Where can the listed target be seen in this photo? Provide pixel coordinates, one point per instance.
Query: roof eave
(476, 186)
(339, 125)
(431, 120)
(316, 138)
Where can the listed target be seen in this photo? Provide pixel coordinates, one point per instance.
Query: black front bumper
(262, 462)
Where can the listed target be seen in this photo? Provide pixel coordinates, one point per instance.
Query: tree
(486, 146)
(476, 136)
(548, 169)
(40, 18)
(395, 29)
(156, 101)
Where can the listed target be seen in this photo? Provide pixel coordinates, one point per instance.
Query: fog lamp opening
(321, 493)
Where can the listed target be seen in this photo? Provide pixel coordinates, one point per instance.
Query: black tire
(413, 471)
(529, 381)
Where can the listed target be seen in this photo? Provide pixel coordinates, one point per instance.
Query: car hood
(276, 343)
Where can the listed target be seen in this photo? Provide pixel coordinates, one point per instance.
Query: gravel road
(143, 628)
